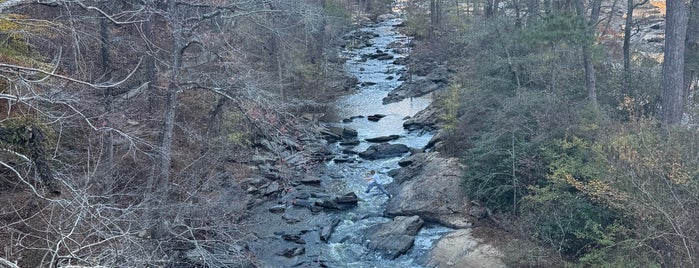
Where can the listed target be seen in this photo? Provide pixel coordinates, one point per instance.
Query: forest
(127, 127)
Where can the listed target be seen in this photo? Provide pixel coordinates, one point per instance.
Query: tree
(631, 5)
(691, 72)
(590, 23)
(672, 83)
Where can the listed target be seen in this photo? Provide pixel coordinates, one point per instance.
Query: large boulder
(461, 249)
(425, 119)
(384, 150)
(395, 237)
(430, 186)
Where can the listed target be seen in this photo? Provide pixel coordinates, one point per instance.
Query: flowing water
(346, 247)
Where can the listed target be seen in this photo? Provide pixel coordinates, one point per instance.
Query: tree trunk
(590, 80)
(532, 11)
(435, 16)
(691, 70)
(672, 84)
(150, 67)
(628, 24)
(171, 99)
(107, 141)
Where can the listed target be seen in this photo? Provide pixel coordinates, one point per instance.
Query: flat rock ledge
(461, 249)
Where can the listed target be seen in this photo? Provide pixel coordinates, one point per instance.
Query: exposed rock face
(429, 186)
(461, 249)
(384, 150)
(395, 237)
(425, 119)
(425, 79)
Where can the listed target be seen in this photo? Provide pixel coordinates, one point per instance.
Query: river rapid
(377, 77)
(294, 238)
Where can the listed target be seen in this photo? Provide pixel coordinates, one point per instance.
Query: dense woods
(589, 152)
(124, 124)
(123, 121)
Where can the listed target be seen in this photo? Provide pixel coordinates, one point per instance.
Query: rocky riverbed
(324, 218)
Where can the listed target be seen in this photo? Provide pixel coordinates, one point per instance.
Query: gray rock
(272, 188)
(384, 150)
(430, 187)
(383, 138)
(460, 247)
(277, 209)
(352, 142)
(395, 237)
(375, 117)
(291, 252)
(327, 230)
(424, 119)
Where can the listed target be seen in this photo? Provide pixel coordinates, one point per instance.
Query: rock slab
(394, 238)
(461, 249)
(430, 186)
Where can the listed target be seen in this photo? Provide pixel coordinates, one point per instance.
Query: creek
(293, 237)
(377, 77)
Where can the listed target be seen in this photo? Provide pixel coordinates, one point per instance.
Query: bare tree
(631, 5)
(672, 84)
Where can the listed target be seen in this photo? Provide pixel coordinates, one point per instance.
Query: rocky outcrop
(429, 186)
(421, 82)
(395, 237)
(424, 120)
(461, 249)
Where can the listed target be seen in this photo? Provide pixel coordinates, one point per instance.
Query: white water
(346, 246)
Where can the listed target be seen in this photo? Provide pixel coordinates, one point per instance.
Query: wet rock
(430, 187)
(252, 190)
(401, 61)
(290, 219)
(412, 89)
(350, 198)
(272, 188)
(460, 247)
(368, 83)
(334, 134)
(436, 140)
(383, 138)
(310, 180)
(343, 202)
(351, 142)
(395, 237)
(349, 133)
(384, 150)
(291, 252)
(405, 162)
(349, 151)
(277, 209)
(343, 159)
(425, 119)
(375, 118)
(327, 230)
(294, 238)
